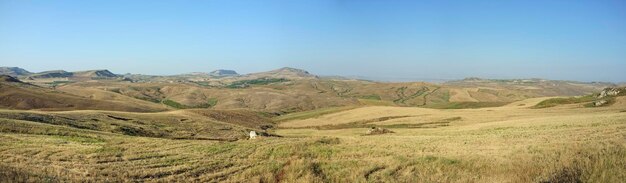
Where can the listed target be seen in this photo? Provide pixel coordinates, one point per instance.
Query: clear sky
(570, 39)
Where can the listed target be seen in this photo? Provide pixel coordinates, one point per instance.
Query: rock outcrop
(378, 131)
(609, 92)
(599, 103)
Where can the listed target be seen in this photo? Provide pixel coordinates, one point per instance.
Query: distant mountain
(476, 80)
(540, 87)
(52, 74)
(14, 71)
(285, 72)
(222, 72)
(95, 74)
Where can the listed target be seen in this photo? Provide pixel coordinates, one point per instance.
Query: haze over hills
(22, 73)
(288, 90)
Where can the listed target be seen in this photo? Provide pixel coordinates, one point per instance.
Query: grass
(465, 105)
(202, 83)
(210, 103)
(587, 99)
(150, 99)
(370, 97)
(310, 114)
(58, 83)
(453, 155)
(505, 144)
(560, 101)
(180, 125)
(174, 104)
(371, 123)
(370, 102)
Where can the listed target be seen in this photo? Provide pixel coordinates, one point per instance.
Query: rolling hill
(15, 94)
(14, 71)
(289, 90)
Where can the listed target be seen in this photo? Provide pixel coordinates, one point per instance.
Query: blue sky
(571, 39)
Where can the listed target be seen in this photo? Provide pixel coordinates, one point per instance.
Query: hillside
(95, 74)
(285, 72)
(194, 128)
(227, 125)
(9, 79)
(14, 71)
(18, 95)
(51, 74)
(288, 90)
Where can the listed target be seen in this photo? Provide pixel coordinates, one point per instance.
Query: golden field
(512, 143)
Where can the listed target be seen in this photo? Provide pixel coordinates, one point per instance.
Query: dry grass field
(512, 143)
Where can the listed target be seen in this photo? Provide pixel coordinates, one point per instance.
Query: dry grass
(502, 144)
(412, 115)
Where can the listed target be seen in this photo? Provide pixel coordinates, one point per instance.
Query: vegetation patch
(260, 81)
(403, 97)
(560, 101)
(368, 124)
(376, 102)
(137, 131)
(371, 97)
(604, 98)
(202, 83)
(119, 118)
(154, 100)
(210, 103)
(466, 105)
(174, 104)
(566, 174)
(14, 174)
(57, 83)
